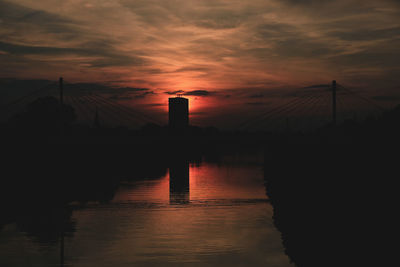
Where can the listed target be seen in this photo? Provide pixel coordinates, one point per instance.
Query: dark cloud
(103, 55)
(306, 2)
(289, 41)
(178, 92)
(205, 14)
(131, 89)
(304, 47)
(101, 88)
(154, 71)
(221, 18)
(24, 49)
(19, 18)
(367, 34)
(22, 21)
(154, 104)
(10, 87)
(190, 93)
(198, 93)
(126, 93)
(317, 86)
(256, 96)
(275, 30)
(256, 103)
(145, 94)
(378, 55)
(195, 69)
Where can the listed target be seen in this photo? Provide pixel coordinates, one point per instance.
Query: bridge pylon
(334, 102)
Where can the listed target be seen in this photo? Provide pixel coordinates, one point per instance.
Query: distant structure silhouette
(179, 181)
(178, 112)
(61, 85)
(96, 123)
(334, 102)
(306, 108)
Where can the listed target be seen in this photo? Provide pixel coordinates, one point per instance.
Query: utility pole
(334, 102)
(96, 123)
(61, 91)
(61, 106)
(62, 247)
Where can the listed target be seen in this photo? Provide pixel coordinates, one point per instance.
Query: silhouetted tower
(179, 181)
(178, 112)
(334, 102)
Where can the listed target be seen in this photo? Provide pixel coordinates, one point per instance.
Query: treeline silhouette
(334, 192)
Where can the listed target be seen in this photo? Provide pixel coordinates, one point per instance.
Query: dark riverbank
(335, 196)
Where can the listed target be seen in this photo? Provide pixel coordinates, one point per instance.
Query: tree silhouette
(44, 116)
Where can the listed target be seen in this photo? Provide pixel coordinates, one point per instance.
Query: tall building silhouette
(178, 112)
(179, 181)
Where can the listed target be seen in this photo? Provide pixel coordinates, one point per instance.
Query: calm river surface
(203, 214)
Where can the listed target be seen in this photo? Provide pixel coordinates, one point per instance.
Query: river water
(196, 214)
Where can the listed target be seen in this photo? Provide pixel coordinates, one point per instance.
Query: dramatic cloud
(178, 92)
(14, 87)
(203, 47)
(143, 95)
(198, 93)
(256, 96)
(318, 86)
(190, 93)
(256, 103)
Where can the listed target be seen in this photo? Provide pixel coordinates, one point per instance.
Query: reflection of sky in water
(227, 221)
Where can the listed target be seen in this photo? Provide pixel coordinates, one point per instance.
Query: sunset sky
(218, 52)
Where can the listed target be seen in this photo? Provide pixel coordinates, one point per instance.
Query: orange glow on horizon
(207, 181)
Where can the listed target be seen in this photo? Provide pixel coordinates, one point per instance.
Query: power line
(107, 111)
(274, 110)
(127, 119)
(133, 112)
(363, 98)
(286, 109)
(75, 103)
(300, 110)
(115, 108)
(118, 110)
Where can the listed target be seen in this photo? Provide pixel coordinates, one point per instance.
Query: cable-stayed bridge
(301, 109)
(308, 108)
(88, 102)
